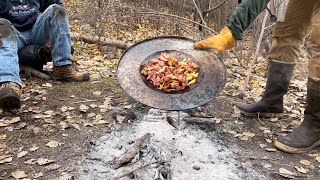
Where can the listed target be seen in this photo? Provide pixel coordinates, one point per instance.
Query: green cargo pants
(244, 15)
(301, 18)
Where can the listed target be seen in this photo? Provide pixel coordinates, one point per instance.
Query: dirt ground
(54, 112)
(75, 130)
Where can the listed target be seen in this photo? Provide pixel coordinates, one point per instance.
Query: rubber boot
(307, 136)
(271, 104)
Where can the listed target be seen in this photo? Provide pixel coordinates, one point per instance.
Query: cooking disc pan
(212, 73)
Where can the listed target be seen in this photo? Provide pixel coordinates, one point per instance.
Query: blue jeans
(52, 25)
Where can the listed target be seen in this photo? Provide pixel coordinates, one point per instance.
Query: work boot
(69, 73)
(10, 93)
(307, 135)
(271, 104)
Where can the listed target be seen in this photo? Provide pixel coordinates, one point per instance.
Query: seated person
(21, 25)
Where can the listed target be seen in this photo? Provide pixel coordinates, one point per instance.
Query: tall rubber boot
(271, 104)
(307, 135)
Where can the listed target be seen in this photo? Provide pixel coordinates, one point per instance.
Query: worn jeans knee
(6, 30)
(57, 11)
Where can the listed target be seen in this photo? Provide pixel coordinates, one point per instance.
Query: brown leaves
(83, 108)
(286, 173)
(9, 121)
(305, 162)
(18, 174)
(43, 161)
(5, 159)
(22, 154)
(53, 144)
(245, 136)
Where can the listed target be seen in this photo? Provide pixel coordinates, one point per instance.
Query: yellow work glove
(219, 43)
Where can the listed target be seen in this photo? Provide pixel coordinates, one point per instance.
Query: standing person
(301, 18)
(21, 24)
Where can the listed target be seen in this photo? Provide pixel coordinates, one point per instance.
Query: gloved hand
(219, 43)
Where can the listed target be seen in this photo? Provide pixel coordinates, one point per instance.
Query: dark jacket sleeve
(244, 15)
(44, 4)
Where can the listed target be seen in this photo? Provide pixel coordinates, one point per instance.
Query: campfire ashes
(167, 150)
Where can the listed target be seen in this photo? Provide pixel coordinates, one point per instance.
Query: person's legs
(53, 25)
(288, 37)
(307, 135)
(10, 84)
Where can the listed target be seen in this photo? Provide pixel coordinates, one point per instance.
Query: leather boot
(69, 73)
(307, 135)
(271, 104)
(10, 93)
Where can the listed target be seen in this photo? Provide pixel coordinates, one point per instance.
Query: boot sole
(263, 115)
(292, 150)
(9, 100)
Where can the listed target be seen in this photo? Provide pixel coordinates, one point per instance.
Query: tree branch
(214, 8)
(100, 41)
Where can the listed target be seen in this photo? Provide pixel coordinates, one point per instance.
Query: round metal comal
(212, 74)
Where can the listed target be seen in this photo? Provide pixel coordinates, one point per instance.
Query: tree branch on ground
(100, 41)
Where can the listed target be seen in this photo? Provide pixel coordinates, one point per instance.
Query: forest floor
(77, 130)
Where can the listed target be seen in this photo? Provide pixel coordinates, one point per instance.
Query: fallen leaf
(316, 156)
(286, 173)
(127, 106)
(30, 161)
(64, 108)
(3, 137)
(267, 166)
(98, 117)
(53, 144)
(5, 159)
(76, 126)
(274, 119)
(18, 174)
(88, 124)
(21, 154)
(120, 119)
(2, 147)
(43, 161)
(271, 149)
(249, 134)
(83, 108)
(52, 167)
(36, 176)
(97, 93)
(90, 115)
(301, 169)
(93, 105)
(33, 148)
(269, 140)
(305, 162)
(103, 122)
(64, 125)
(9, 122)
(263, 145)
(216, 120)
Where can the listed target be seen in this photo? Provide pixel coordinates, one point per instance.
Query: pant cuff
(12, 80)
(64, 63)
